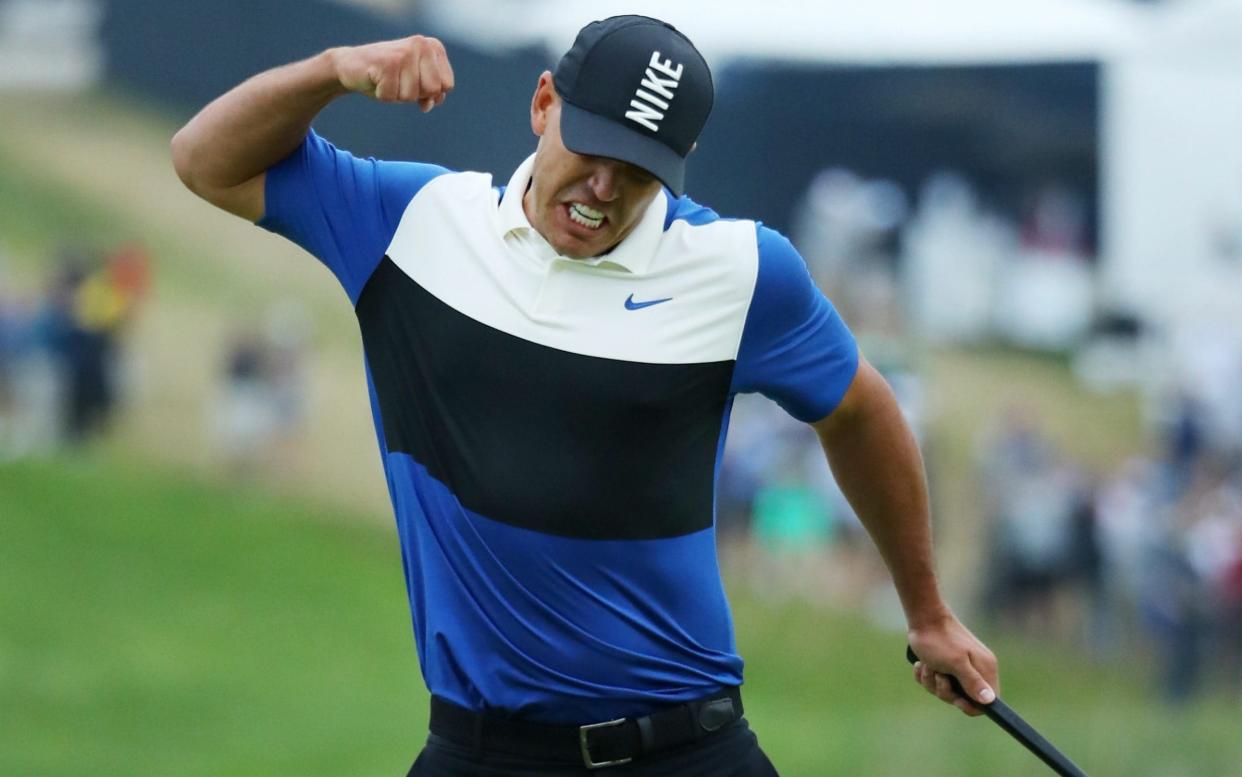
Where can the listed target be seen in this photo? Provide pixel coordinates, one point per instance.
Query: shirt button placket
(545, 301)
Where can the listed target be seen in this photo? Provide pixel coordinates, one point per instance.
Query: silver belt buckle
(586, 749)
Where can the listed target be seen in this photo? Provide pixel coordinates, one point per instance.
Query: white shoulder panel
(449, 242)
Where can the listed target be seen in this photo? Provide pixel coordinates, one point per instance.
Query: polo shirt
(551, 429)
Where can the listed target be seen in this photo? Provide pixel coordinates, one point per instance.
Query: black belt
(595, 745)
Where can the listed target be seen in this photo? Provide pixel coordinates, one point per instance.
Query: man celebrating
(552, 364)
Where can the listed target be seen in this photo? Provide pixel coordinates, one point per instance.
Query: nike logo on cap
(630, 304)
(654, 94)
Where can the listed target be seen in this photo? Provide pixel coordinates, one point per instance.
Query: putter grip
(1002, 715)
(957, 687)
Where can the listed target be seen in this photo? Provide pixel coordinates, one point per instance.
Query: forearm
(254, 125)
(876, 461)
(223, 153)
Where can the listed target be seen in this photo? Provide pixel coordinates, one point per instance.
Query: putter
(1016, 727)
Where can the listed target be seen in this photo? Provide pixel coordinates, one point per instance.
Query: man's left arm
(876, 462)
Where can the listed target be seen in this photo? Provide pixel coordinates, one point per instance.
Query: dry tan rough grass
(117, 155)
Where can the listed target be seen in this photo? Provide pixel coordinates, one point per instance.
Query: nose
(605, 179)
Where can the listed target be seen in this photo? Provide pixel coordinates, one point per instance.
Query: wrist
(328, 69)
(929, 617)
(921, 600)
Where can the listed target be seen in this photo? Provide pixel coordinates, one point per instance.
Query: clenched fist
(413, 69)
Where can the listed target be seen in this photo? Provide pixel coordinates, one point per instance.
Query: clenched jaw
(586, 215)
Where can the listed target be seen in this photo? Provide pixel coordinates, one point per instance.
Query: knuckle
(426, 44)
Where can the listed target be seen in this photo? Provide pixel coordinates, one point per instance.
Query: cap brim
(584, 132)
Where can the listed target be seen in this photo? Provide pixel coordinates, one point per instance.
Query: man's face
(582, 205)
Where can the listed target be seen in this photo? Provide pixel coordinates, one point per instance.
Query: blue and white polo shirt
(551, 428)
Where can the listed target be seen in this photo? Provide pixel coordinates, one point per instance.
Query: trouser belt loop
(714, 714)
(646, 736)
(692, 711)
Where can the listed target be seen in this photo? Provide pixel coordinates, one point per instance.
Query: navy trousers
(731, 752)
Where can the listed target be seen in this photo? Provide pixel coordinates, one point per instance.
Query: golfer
(552, 361)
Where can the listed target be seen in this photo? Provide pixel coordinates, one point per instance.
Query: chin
(577, 249)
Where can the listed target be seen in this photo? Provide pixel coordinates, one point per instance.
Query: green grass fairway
(154, 625)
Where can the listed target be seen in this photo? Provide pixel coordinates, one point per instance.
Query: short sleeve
(795, 348)
(342, 209)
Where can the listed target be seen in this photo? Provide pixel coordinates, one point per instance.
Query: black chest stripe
(533, 436)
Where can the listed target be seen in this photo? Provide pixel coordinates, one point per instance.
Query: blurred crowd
(784, 526)
(262, 406)
(1153, 547)
(948, 266)
(1143, 558)
(67, 364)
(61, 354)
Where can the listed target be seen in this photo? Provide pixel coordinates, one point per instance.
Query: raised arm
(876, 461)
(222, 154)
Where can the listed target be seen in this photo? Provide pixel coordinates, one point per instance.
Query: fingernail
(986, 696)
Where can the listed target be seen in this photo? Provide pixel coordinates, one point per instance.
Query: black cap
(634, 88)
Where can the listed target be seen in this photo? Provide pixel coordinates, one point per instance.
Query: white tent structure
(1172, 192)
(1172, 162)
(877, 32)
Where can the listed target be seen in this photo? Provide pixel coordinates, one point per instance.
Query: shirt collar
(634, 253)
(512, 216)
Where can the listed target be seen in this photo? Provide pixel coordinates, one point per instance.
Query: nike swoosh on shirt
(630, 304)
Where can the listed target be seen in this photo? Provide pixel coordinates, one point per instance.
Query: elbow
(196, 164)
(183, 159)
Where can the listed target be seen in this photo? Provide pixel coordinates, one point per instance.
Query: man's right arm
(223, 153)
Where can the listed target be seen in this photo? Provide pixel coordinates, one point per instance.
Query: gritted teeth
(588, 211)
(586, 216)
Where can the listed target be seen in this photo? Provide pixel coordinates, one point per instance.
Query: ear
(544, 98)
